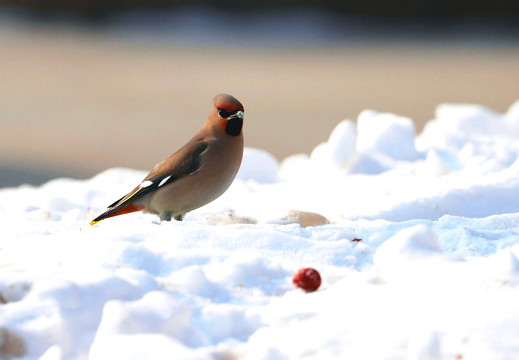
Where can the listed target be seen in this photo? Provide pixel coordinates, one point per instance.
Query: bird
(196, 174)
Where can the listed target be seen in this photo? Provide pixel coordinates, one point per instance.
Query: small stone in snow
(305, 218)
(11, 345)
(230, 217)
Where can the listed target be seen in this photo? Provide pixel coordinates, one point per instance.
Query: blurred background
(86, 85)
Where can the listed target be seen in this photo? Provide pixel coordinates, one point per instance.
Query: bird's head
(230, 112)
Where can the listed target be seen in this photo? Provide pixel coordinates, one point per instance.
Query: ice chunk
(258, 165)
(387, 134)
(463, 119)
(339, 148)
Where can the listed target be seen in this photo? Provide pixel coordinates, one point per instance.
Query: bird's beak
(238, 114)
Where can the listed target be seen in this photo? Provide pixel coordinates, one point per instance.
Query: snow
(433, 272)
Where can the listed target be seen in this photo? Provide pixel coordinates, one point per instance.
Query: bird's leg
(165, 216)
(179, 217)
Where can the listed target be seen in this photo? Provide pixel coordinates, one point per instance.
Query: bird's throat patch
(233, 126)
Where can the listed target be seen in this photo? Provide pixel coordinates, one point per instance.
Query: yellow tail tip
(93, 222)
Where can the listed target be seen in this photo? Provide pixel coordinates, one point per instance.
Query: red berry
(307, 279)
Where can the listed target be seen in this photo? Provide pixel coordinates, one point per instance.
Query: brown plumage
(196, 174)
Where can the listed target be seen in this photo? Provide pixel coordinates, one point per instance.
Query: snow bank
(416, 238)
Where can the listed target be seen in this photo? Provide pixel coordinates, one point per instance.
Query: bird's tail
(125, 208)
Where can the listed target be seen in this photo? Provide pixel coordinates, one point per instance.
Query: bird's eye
(223, 114)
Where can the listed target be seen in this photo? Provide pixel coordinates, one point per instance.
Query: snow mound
(386, 134)
(258, 165)
(416, 238)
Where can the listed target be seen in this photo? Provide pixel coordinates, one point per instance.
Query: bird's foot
(165, 216)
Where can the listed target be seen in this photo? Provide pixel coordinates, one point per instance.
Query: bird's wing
(186, 161)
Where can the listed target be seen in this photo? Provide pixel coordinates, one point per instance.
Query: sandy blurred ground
(77, 103)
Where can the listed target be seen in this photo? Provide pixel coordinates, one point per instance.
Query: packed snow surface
(416, 238)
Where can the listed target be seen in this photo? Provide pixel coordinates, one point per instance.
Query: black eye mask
(224, 114)
(234, 126)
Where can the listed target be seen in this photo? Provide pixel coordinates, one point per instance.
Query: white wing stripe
(146, 183)
(163, 181)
